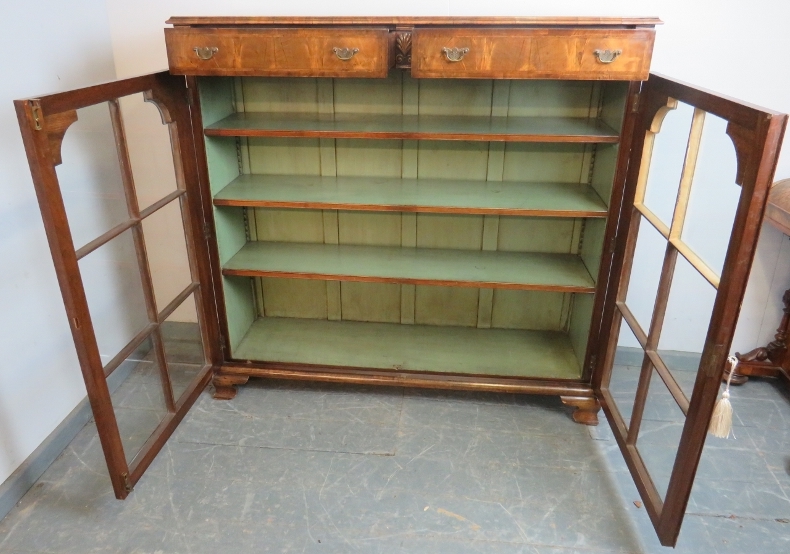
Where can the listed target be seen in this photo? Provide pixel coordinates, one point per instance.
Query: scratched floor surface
(288, 467)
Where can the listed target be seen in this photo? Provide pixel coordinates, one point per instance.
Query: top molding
(410, 21)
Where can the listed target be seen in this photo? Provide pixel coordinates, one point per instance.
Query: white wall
(728, 46)
(48, 47)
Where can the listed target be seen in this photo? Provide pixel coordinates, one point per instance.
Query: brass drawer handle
(607, 56)
(455, 54)
(345, 54)
(205, 52)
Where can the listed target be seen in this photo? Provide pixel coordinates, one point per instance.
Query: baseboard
(675, 359)
(18, 483)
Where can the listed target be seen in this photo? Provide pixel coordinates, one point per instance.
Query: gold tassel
(721, 420)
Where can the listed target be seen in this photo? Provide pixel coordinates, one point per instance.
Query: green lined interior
(397, 264)
(402, 126)
(421, 195)
(412, 347)
(562, 188)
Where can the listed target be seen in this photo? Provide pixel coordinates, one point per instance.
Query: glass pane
(183, 346)
(686, 322)
(625, 372)
(114, 290)
(645, 273)
(666, 164)
(90, 176)
(167, 253)
(150, 151)
(714, 195)
(659, 433)
(137, 398)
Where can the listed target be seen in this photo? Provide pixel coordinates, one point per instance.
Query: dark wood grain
(373, 376)
(532, 53)
(207, 253)
(241, 21)
(56, 225)
(281, 52)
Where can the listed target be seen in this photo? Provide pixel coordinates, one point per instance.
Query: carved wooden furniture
(771, 360)
(427, 202)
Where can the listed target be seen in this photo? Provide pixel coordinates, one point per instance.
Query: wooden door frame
(43, 122)
(757, 136)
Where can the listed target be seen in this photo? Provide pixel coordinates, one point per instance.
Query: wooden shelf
(413, 195)
(504, 352)
(420, 266)
(436, 127)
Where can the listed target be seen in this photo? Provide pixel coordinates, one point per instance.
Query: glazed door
(700, 170)
(128, 251)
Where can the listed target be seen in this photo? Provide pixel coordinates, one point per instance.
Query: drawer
(324, 52)
(533, 53)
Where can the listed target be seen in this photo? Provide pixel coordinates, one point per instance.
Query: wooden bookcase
(428, 225)
(428, 202)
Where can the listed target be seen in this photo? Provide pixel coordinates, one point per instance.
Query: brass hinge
(206, 230)
(593, 361)
(38, 117)
(223, 344)
(127, 485)
(612, 245)
(635, 102)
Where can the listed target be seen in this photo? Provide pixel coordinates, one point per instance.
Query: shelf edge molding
(419, 266)
(413, 127)
(380, 194)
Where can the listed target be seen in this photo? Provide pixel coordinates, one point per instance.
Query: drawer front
(279, 52)
(533, 53)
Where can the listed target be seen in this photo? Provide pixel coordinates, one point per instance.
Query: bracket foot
(586, 411)
(225, 385)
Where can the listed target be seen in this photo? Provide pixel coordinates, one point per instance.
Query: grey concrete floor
(290, 467)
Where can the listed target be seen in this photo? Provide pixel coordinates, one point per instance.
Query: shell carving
(403, 50)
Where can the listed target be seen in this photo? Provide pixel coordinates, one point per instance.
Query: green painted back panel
(216, 99)
(551, 163)
(580, 322)
(239, 307)
(217, 102)
(231, 235)
(592, 245)
(602, 178)
(524, 309)
(369, 96)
